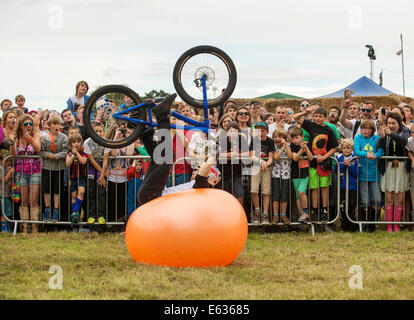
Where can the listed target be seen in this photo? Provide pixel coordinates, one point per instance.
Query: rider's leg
(159, 169)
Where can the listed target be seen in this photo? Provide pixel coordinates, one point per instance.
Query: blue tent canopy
(363, 87)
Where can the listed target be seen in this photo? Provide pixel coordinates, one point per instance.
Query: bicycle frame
(195, 125)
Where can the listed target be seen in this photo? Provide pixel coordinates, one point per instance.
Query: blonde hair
(347, 142)
(280, 133)
(54, 119)
(19, 96)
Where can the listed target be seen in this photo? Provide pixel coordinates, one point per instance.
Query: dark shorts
(52, 181)
(233, 186)
(75, 183)
(280, 189)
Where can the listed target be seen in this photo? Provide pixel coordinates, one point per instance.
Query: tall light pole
(372, 57)
(401, 53)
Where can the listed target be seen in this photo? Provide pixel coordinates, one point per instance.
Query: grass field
(271, 266)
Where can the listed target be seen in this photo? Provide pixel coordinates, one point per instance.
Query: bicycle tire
(204, 49)
(101, 92)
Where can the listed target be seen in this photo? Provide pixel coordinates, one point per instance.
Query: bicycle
(203, 76)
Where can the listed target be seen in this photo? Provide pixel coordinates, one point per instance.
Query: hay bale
(380, 101)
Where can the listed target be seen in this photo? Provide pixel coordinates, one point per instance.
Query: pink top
(30, 165)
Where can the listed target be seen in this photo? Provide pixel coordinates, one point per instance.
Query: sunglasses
(366, 110)
(305, 105)
(289, 112)
(28, 124)
(243, 113)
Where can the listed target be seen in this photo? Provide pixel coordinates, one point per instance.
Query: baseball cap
(261, 125)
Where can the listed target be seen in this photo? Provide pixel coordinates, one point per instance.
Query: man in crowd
(368, 109)
(333, 118)
(69, 122)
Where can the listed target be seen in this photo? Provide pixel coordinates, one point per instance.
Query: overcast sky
(305, 48)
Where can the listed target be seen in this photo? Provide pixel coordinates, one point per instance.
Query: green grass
(271, 266)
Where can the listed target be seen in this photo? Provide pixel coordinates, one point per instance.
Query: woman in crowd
(233, 146)
(117, 177)
(243, 120)
(9, 125)
(27, 142)
(395, 172)
(222, 125)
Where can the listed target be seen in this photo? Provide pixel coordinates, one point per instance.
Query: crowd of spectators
(282, 166)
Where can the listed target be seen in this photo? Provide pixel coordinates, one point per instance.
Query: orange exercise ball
(193, 228)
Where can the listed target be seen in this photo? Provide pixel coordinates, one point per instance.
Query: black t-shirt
(262, 148)
(321, 139)
(232, 167)
(298, 169)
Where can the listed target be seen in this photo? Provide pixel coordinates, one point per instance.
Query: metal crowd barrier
(381, 205)
(292, 205)
(246, 161)
(119, 220)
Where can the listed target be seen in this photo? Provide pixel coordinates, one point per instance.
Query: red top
(182, 166)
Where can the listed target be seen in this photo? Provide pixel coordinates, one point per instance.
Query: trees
(155, 94)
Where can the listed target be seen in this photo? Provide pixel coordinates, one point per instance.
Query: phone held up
(348, 94)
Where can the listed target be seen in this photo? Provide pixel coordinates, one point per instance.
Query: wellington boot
(24, 215)
(34, 216)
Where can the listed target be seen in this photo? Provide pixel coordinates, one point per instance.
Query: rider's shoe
(163, 109)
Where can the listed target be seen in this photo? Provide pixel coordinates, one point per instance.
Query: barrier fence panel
(58, 187)
(118, 200)
(237, 173)
(373, 194)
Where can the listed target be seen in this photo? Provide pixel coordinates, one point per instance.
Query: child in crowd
(349, 175)
(76, 160)
(300, 170)
(280, 176)
(72, 131)
(135, 177)
(262, 149)
(6, 195)
(323, 145)
(366, 148)
(80, 98)
(20, 101)
(96, 191)
(53, 152)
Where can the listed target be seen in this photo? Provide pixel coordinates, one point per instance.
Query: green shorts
(300, 185)
(316, 181)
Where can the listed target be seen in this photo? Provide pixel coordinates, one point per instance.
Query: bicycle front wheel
(101, 107)
(215, 65)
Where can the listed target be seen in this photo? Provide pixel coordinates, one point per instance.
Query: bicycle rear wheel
(216, 65)
(102, 105)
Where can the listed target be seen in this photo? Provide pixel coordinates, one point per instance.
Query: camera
(383, 111)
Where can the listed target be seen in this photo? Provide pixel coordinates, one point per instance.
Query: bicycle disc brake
(207, 72)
